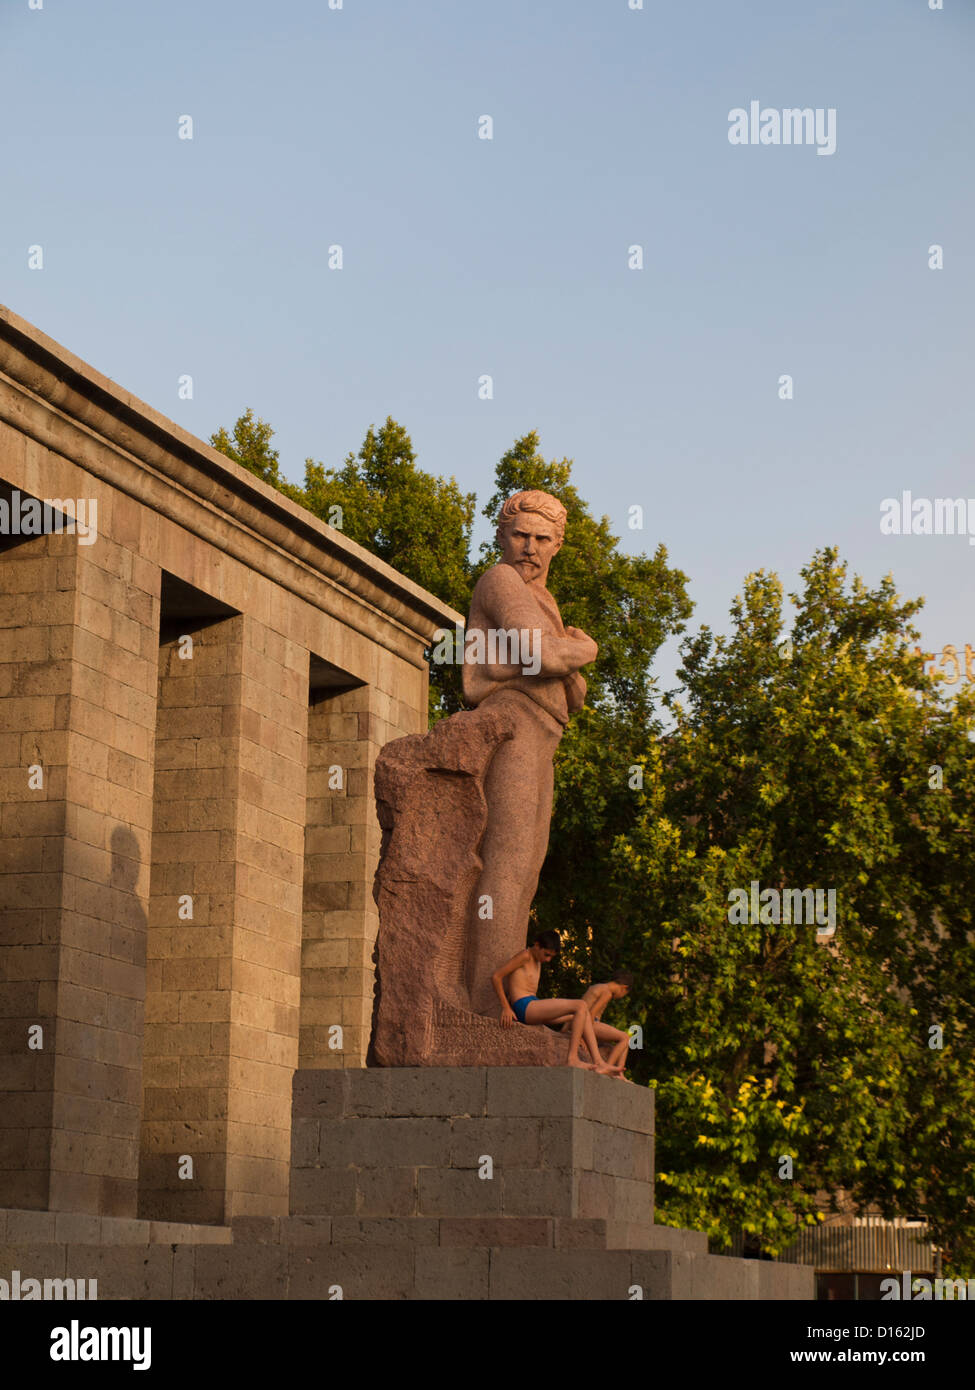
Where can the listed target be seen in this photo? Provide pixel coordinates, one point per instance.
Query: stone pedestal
(508, 1146)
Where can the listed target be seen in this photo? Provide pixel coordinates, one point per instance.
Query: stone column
(345, 734)
(225, 924)
(77, 713)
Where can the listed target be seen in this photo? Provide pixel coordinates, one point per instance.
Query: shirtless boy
(596, 998)
(521, 1002)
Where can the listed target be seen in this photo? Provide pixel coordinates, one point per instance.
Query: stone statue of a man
(540, 688)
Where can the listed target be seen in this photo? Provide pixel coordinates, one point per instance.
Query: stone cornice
(167, 468)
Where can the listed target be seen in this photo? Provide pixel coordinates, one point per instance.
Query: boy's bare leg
(620, 1054)
(619, 1039)
(603, 1033)
(546, 1010)
(589, 1037)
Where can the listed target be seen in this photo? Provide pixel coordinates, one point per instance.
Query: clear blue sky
(462, 256)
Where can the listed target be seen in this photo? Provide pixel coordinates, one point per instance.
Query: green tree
(250, 446)
(807, 760)
(419, 524)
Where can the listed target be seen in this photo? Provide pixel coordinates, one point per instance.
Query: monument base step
(460, 1232)
(287, 1269)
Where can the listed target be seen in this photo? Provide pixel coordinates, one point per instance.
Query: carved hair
(541, 502)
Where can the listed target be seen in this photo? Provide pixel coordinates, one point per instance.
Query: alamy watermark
(77, 1343)
(783, 906)
(501, 646)
(916, 1287)
(793, 125)
(922, 516)
(16, 1290)
(28, 516)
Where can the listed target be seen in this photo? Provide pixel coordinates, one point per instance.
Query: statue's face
(529, 543)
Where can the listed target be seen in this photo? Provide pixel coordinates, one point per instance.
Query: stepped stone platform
(462, 1183)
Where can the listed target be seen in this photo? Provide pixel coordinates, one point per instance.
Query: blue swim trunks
(520, 1006)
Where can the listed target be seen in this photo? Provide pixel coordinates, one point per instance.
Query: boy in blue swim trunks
(522, 1003)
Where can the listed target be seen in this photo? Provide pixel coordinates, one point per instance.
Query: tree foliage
(826, 758)
(250, 446)
(419, 524)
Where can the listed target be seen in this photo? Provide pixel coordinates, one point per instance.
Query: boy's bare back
(596, 998)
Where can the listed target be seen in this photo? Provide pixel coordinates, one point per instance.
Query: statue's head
(531, 528)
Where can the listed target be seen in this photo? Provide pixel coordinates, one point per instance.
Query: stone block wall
(346, 731)
(79, 639)
(132, 1037)
(419, 1142)
(295, 1258)
(223, 987)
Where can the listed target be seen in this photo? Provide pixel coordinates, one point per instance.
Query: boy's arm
(500, 975)
(601, 1000)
